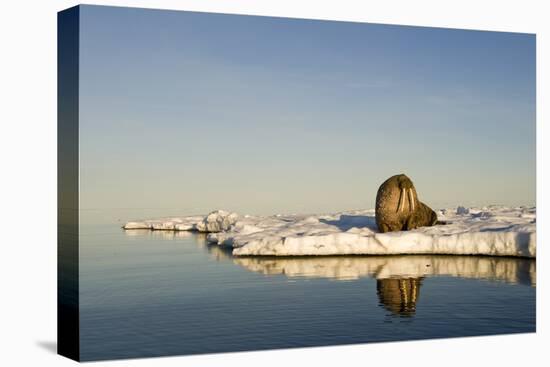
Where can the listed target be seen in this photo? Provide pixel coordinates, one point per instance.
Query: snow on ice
(492, 231)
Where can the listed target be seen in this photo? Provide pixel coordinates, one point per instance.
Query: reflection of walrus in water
(399, 296)
(398, 207)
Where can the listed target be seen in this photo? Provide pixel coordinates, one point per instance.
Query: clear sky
(199, 111)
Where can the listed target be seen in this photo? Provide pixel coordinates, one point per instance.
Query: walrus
(398, 207)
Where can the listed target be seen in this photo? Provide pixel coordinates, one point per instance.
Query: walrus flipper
(411, 223)
(401, 200)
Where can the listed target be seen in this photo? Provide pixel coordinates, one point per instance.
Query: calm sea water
(146, 294)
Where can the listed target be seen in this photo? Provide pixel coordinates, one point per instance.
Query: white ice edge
(491, 231)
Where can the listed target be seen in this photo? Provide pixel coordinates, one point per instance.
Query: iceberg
(490, 231)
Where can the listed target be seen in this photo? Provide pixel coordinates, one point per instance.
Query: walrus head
(398, 207)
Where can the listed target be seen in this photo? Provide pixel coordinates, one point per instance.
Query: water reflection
(399, 296)
(166, 235)
(398, 278)
(510, 270)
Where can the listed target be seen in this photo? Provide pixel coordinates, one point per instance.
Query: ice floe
(492, 231)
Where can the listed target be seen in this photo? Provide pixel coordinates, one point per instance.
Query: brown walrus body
(398, 207)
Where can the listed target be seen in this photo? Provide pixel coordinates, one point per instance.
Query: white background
(28, 181)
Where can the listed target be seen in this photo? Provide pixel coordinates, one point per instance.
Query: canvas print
(233, 183)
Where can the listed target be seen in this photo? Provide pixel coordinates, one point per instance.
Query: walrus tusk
(401, 201)
(411, 199)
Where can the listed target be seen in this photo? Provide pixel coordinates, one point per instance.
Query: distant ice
(173, 224)
(462, 210)
(493, 231)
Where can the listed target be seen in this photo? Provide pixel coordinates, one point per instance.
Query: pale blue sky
(198, 111)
